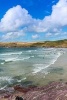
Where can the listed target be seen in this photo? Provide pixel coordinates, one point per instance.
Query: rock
(53, 91)
(7, 96)
(21, 89)
(19, 98)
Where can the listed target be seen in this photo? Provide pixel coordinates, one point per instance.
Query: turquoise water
(18, 63)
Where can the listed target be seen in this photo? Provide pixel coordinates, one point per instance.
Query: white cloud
(59, 13)
(18, 18)
(12, 35)
(35, 36)
(48, 34)
(15, 18)
(57, 19)
(56, 34)
(65, 33)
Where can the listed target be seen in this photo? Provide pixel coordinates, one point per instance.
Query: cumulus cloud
(56, 34)
(15, 18)
(59, 15)
(35, 36)
(14, 22)
(48, 34)
(57, 19)
(18, 18)
(12, 35)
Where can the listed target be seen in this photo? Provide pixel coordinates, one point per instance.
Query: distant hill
(57, 44)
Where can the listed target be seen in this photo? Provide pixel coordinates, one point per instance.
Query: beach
(58, 69)
(55, 73)
(33, 50)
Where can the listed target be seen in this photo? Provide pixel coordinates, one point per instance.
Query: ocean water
(18, 63)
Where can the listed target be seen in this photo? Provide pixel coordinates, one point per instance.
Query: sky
(33, 20)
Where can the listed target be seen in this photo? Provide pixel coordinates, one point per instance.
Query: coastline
(56, 78)
(58, 69)
(47, 44)
(56, 72)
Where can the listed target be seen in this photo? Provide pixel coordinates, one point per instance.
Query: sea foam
(11, 53)
(40, 67)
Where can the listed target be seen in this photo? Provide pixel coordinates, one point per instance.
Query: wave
(20, 59)
(2, 63)
(5, 78)
(10, 59)
(9, 80)
(40, 67)
(21, 80)
(2, 88)
(11, 53)
(41, 55)
(32, 56)
(16, 59)
(29, 51)
(58, 55)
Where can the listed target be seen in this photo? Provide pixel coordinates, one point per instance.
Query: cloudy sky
(33, 20)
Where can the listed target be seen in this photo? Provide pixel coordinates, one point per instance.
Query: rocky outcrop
(52, 91)
(18, 98)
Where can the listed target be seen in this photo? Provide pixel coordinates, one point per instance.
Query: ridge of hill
(57, 44)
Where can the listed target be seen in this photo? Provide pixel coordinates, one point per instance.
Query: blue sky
(33, 20)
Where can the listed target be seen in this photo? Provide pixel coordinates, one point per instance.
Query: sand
(58, 69)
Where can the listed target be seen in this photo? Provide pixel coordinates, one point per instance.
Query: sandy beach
(59, 69)
(56, 72)
(53, 76)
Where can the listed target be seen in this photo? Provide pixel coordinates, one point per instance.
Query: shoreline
(56, 72)
(56, 78)
(59, 69)
(50, 82)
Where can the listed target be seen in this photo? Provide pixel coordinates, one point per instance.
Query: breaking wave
(11, 53)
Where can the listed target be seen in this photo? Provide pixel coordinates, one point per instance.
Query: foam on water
(56, 57)
(21, 79)
(2, 88)
(5, 78)
(2, 63)
(11, 53)
(29, 51)
(14, 59)
(40, 67)
(21, 59)
(10, 59)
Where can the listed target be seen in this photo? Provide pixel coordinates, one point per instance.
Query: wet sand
(58, 70)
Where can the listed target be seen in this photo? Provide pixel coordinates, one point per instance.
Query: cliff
(57, 44)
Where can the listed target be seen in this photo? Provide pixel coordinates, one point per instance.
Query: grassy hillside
(59, 43)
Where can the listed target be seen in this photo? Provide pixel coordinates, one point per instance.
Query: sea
(18, 64)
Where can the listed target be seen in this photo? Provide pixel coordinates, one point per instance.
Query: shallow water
(18, 64)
